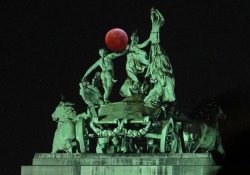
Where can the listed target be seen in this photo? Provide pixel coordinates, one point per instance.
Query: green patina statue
(147, 119)
(107, 74)
(160, 70)
(203, 131)
(90, 92)
(64, 136)
(70, 132)
(137, 62)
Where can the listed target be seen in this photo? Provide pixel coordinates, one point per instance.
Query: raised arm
(160, 18)
(114, 55)
(144, 44)
(94, 66)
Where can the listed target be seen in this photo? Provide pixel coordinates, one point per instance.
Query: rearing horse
(64, 138)
(203, 132)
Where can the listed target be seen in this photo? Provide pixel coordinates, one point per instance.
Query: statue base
(119, 164)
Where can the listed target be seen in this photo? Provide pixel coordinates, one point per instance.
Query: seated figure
(137, 62)
(90, 93)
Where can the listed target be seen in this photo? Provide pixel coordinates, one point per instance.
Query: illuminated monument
(145, 133)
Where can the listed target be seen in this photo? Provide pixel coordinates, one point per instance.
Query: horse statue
(203, 132)
(64, 138)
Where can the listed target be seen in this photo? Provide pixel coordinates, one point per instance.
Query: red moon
(116, 39)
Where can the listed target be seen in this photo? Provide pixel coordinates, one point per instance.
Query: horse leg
(151, 145)
(187, 140)
(55, 145)
(179, 144)
(70, 144)
(101, 146)
(54, 149)
(196, 147)
(188, 146)
(219, 146)
(175, 144)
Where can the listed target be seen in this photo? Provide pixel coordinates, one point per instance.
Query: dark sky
(46, 48)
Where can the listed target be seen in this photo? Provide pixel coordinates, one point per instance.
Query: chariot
(127, 126)
(145, 120)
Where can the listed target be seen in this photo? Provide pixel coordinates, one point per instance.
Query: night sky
(46, 47)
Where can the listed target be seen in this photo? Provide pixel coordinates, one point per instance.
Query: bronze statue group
(147, 119)
(156, 63)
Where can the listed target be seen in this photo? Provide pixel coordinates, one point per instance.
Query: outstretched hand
(84, 79)
(127, 47)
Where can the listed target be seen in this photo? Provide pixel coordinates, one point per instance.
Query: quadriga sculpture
(203, 132)
(64, 138)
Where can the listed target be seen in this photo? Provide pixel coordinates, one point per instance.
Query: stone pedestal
(119, 164)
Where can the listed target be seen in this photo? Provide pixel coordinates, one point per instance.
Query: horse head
(211, 113)
(219, 113)
(64, 112)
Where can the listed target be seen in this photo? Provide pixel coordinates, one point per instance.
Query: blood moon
(116, 39)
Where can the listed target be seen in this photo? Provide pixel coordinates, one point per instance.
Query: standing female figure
(160, 70)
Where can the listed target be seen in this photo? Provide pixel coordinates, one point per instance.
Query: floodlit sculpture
(160, 70)
(147, 119)
(203, 132)
(90, 92)
(64, 138)
(107, 74)
(137, 62)
(70, 132)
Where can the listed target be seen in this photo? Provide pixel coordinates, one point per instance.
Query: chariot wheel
(82, 136)
(167, 129)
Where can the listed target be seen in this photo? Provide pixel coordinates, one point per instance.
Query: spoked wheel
(167, 129)
(82, 136)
